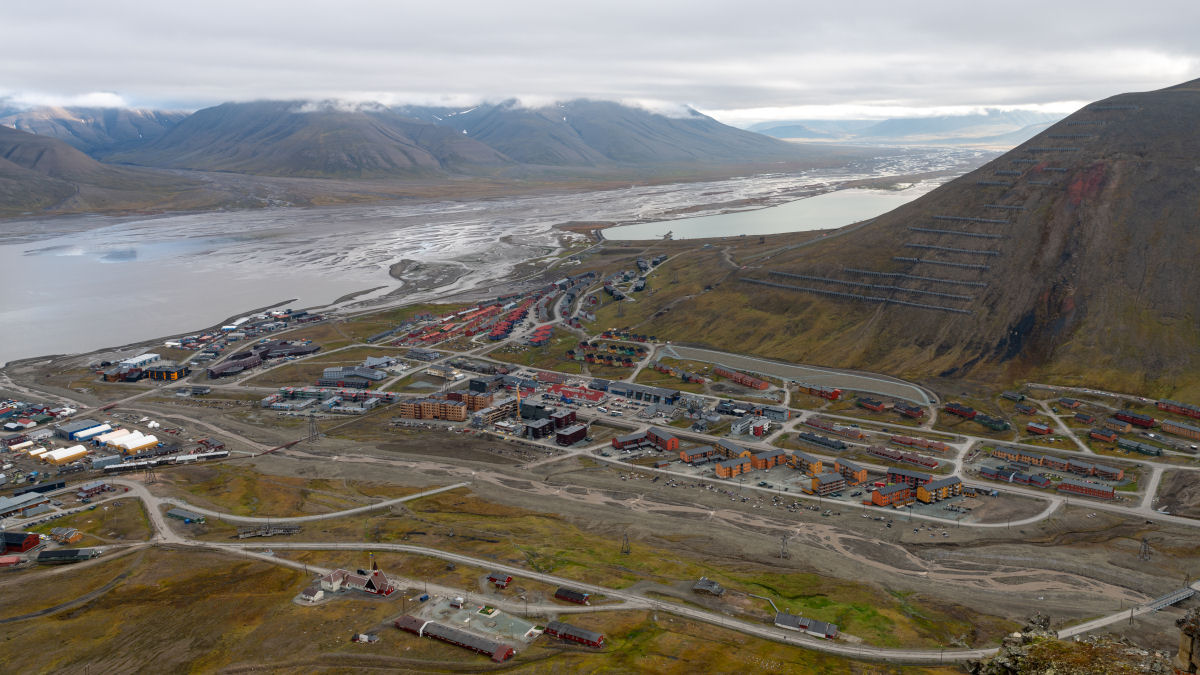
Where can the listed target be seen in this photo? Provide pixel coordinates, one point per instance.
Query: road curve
(229, 517)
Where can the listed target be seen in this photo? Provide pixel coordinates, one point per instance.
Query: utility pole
(625, 549)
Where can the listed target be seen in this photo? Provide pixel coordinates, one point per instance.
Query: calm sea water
(115, 281)
(830, 210)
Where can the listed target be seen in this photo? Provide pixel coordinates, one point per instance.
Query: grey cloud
(715, 56)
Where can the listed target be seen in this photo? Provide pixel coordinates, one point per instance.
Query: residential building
(732, 468)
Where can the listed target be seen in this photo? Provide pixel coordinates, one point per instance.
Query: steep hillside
(597, 133)
(287, 138)
(93, 130)
(1071, 256)
(40, 174)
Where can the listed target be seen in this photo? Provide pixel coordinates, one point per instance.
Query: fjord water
(94, 281)
(829, 210)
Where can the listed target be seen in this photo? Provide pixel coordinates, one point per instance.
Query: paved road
(165, 534)
(858, 381)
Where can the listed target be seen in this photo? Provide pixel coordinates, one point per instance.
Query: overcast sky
(741, 62)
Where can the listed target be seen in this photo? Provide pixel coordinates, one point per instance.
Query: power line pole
(1144, 554)
(625, 549)
(783, 548)
(313, 431)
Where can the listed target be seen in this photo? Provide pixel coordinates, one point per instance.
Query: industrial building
(350, 376)
(570, 595)
(185, 515)
(565, 631)
(641, 392)
(67, 555)
(70, 430)
(497, 651)
(62, 456)
(801, 624)
(19, 542)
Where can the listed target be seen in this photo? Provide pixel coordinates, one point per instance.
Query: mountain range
(270, 141)
(1003, 128)
(1072, 254)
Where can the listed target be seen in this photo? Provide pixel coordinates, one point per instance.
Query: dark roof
(462, 637)
(571, 594)
(768, 454)
(828, 477)
(730, 445)
(16, 538)
(665, 435)
(67, 555)
(566, 629)
(1086, 484)
(410, 623)
(889, 489)
(730, 463)
(909, 473)
(846, 464)
(943, 482)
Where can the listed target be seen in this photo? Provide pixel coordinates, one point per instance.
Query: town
(526, 375)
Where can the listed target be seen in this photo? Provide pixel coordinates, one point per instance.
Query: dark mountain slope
(40, 174)
(1072, 256)
(282, 138)
(94, 130)
(599, 133)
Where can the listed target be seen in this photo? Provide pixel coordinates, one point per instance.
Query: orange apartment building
(766, 460)
(898, 494)
(807, 463)
(731, 468)
(937, 490)
(853, 473)
(433, 409)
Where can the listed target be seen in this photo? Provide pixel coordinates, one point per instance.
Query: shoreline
(455, 281)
